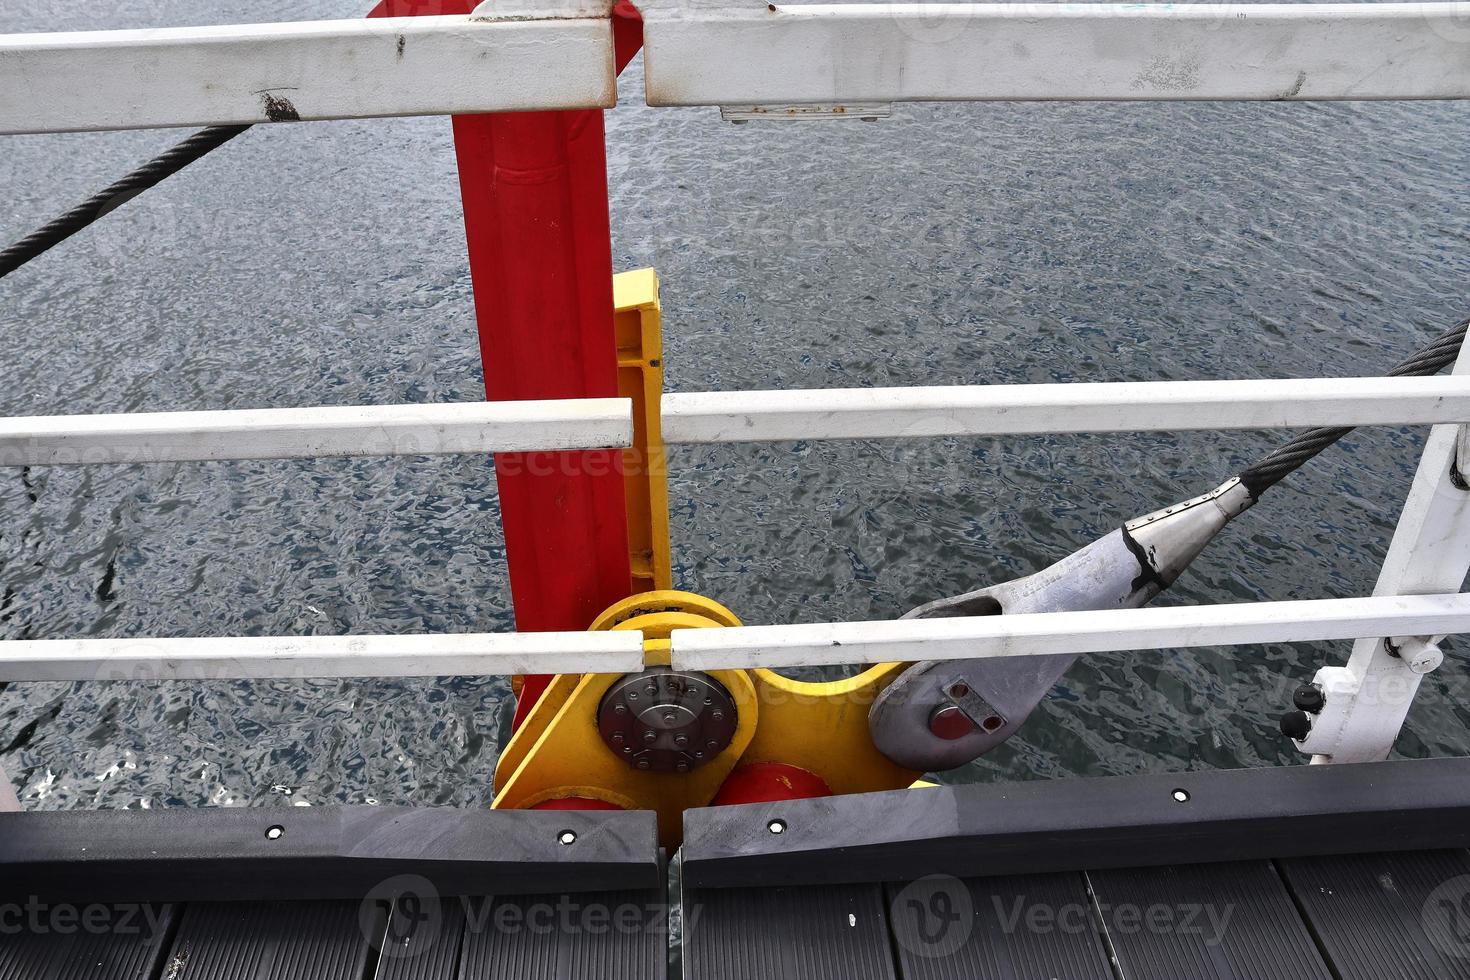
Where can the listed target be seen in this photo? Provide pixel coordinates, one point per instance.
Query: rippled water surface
(325, 264)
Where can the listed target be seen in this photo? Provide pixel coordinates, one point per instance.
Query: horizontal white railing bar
(336, 69)
(1040, 634)
(285, 657)
(750, 53)
(877, 413)
(300, 433)
(730, 416)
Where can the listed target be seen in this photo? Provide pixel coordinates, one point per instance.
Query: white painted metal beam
(297, 433)
(287, 657)
(751, 53)
(877, 413)
(1368, 700)
(301, 71)
(731, 416)
(1041, 634)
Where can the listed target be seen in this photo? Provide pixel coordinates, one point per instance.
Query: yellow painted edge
(534, 726)
(635, 288)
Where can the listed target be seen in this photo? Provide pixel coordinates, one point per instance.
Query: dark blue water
(325, 264)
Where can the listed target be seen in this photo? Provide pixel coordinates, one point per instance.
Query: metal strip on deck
(1004, 928)
(423, 942)
(129, 946)
(269, 941)
(1384, 916)
(1204, 922)
(832, 933)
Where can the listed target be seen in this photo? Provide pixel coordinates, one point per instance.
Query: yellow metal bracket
(822, 727)
(558, 751)
(638, 326)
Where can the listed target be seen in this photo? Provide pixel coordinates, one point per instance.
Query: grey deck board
(1394, 916)
(837, 932)
(129, 947)
(423, 943)
(1018, 927)
(269, 941)
(1228, 921)
(592, 936)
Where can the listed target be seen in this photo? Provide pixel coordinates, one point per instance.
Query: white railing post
(1367, 701)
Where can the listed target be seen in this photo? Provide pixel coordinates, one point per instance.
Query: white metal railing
(731, 416)
(267, 657)
(1043, 634)
(875, 413)
(193, 76)
(742, 53)
(756, 57)
(559, 55)
(299, 433)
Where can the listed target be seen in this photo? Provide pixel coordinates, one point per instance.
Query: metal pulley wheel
(666, 720)
(661, 719)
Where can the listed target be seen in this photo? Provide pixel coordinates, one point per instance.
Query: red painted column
(534, 187)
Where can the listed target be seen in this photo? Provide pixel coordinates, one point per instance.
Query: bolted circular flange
(666, 720)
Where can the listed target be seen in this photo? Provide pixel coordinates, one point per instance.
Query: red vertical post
(534, 187)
